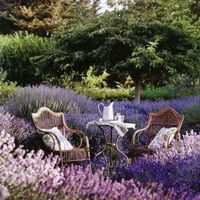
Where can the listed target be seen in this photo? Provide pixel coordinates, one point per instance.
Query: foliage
(158, 93)
(16, 55)
(92, 81)
(36, 18)
(187, 91)
(45, 16)
(6, 89)
(39, 17)
(79, 12)
(105, 93)
(138, 113)
(139, 48)
(167, 92)
(192, 118)
(3, 75)
(4, 40)
(4, 193)
(28, 100)
(19, 168)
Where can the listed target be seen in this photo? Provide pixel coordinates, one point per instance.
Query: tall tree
(41, 17)
(146, 45)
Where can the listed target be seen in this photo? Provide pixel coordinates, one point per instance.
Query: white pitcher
(107, 112)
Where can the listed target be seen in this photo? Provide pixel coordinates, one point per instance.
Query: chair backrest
(167, 118)
(45, 118)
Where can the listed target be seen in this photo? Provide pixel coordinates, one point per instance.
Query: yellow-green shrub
(7, 88)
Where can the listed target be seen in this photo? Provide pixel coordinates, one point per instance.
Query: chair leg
(134, 156)
(90, 165)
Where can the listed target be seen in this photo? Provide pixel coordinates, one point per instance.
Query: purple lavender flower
(22, 169)
(177, 167)
(22, 130)
(29, 99)
(4, 193)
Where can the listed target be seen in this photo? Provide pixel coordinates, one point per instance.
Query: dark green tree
(42, 17)
(151, 51)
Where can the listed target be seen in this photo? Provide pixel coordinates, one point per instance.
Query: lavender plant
(40, 178)
(4, 193)
(29, 99)
(21, 130)
(176, 167)
(25, 169)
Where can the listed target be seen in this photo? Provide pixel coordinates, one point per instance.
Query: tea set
(107, 113)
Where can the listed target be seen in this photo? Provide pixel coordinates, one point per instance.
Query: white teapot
(107, 112)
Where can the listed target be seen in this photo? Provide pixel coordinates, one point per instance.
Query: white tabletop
(120, 127)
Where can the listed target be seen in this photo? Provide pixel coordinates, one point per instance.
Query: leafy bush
(16, 55)
(158, 93)
(29, 99)
(170, 92)
(3, 74)
(4, 40)
(93, 81)
(148, 93)
(186, 91)
(192, 117)
(7, 88)
(94, 86)
(105, 93)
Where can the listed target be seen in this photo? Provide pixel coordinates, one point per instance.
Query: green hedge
(105, 93)
(16, 54)
(149, 93)
(158, 93)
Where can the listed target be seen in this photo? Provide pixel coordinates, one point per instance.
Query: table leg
(102, 152)
(118, 149)
(111, 146)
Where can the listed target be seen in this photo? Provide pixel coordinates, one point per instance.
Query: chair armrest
(81, 134)
(136, 135)
(53, 136)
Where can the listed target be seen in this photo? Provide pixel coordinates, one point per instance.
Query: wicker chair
(165, 118)
(44, 118)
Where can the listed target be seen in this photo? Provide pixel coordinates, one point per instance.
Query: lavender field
(72, 55)
(27, 172)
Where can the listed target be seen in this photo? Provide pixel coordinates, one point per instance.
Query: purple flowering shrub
(169, 174)
(4, 193)
(21, 130)
(138, 113)
(29, 99)
(31, 175)
(177, 167)
(26, 169)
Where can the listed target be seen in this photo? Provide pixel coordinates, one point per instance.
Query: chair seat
(76, 154)
(165, 118)
(45, 118)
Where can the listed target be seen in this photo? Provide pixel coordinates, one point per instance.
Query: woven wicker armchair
(165, 118)
(44, 118)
